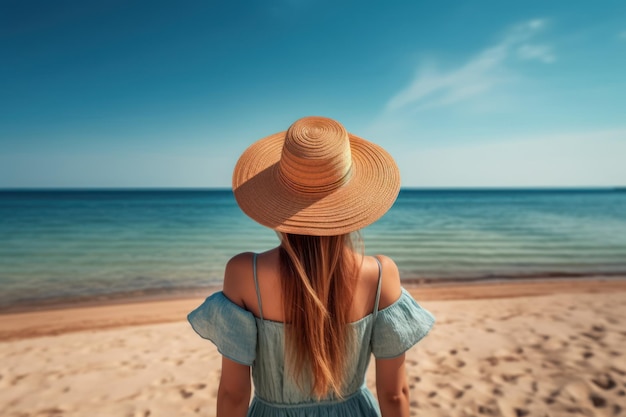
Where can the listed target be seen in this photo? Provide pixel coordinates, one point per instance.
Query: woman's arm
(392, 387)
(391, 383)
(233, 395)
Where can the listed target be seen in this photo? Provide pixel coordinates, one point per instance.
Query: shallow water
(73, 244)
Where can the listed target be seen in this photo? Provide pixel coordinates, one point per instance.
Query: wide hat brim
(369, 193)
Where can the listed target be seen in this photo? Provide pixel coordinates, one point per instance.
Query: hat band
(313, 189)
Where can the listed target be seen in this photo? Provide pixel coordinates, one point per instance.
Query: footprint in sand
(52, 412)
(185, 393)
(17, 379)
(597, 400)
(166, 380)
(488, 411)
(593, 335)
(189, 390)
(581, 394)
(553, 396)
(450, 393)
(492, 360)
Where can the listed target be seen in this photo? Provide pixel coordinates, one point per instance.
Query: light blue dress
(253, 341)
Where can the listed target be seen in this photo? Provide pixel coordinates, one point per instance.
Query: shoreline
(155, 309)
(161, 294)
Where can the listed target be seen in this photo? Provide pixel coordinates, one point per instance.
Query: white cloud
(432, 88)
(540, 52)
(593, 158)
(622, 35)
(536, 23)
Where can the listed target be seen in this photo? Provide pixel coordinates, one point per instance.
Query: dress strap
(256, 284)
(380, 280)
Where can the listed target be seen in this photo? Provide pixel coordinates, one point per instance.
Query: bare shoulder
(390, 286)
(237, 277)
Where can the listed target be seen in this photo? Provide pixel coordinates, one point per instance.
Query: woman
(305, 317)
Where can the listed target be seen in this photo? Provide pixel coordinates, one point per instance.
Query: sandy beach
(540, 348)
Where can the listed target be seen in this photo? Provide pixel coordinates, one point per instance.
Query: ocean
(60, 246)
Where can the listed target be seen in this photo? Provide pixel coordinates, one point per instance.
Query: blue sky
(168, 94)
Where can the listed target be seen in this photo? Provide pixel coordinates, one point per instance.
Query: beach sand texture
(557, 352)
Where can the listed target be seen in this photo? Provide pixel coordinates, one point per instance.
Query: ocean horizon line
(224, 189)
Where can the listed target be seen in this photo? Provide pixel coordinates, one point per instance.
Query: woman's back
(273, 383)
(239, 286)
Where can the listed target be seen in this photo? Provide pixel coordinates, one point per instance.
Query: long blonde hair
(318, 276)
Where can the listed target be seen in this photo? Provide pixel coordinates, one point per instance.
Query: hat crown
(316, 156)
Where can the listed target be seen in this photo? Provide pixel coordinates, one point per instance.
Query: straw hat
(315, 179)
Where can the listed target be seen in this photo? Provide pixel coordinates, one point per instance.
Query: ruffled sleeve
(231, 328)
(400, 326)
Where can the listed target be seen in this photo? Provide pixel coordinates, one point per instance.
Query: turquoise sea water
(70, 245)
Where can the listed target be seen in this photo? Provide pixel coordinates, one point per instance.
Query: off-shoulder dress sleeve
(400, 326)
(231, 328)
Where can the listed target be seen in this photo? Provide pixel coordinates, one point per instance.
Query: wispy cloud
(622, 35)
(541, 52)
(434, 88)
